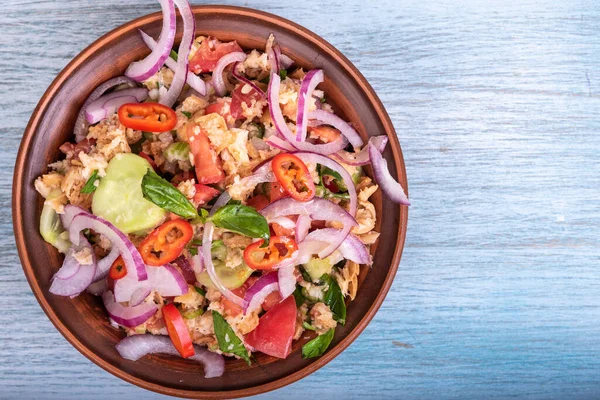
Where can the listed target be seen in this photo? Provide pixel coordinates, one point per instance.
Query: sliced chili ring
(178, 331)
(165, 243)
(117, 269)
(279, 248)
(149, 117)
(294, 177)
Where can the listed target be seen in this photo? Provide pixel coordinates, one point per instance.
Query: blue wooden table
(497, 107)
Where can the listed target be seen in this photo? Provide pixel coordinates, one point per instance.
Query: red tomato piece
(229, 307)
(209, 53)
(324, 133)
(182, 176)
(238, 97)
(281, 231)
(271, 300)
(277, 192)
(221, 107)
(258, 202)
(207, 164)
(275, 330)
(204, 194)
(178, 331)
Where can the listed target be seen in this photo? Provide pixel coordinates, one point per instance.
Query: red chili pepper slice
(117, 269)
(165, 243)
(293, 176)
(149, 117)
(178, 332)
(280, 248)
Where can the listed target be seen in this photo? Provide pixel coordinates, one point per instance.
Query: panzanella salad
(214, 201)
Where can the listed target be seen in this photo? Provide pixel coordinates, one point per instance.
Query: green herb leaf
(228, 341)
(242, 219)
(299, 297)
(335, 299)
(200, 290)
(305, 275)
(90, 184)
(318, 345)
(192, 313)
(187, 114)
(174, 55)
(162, 193)
(192, 250)
(283, 73)
(308, 326)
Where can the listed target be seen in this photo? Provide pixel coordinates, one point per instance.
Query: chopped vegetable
(151, 117)
(242, 219)
(279, 248)
(318, 345)
(166, 242)
(228, 341)
(90, 185)
(178, 151)
(293, 176)
(159, 191)
(178, 331)
(118, 269)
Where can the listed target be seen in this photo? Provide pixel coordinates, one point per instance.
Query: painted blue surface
(497, 107)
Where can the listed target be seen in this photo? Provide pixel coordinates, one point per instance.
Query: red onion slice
(362, 157)
(81, 123)
(284, 61)
(104, 265)
(317, 209)
(329, 163)
(285, 222)
(108, 104)
(198, 262)
(308, 85)
(351, 249)
(128, 317)
(331, 119)
(69, 213)
(284, 130)
(279, 143)
(135, 347)
(192, 79)
(209, 229)
(302, 227)
(217, 76)
(186, 269)
(98, 288)
(144, 69)
(273, 60)
(139, 295)
(287, 280)
(131, 256)
(388, 184)
(258, 292)
(247, 81)
(76, 282)
(181, 70)
(166, 280)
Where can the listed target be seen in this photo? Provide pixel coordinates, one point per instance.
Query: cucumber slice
(119, 198)
(317, 267)
(232, 278)
(51, 228)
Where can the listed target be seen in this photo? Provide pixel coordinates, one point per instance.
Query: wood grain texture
(498, 113)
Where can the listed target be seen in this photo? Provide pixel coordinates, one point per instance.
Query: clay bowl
(83, 321)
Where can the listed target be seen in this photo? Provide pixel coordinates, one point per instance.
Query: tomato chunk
(204, 194)
(271, 300)
(221, 107)
(209, 54)
(238, 97)
(178, 332)
(229, 307)
(258, 202)
(276, 191)
(279, 248)
(294, 177)
(275, 330)
(165, 243)
(206, 161)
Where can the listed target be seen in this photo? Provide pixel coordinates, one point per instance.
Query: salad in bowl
(214, 201)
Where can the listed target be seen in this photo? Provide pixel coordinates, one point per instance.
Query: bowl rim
(18, 184)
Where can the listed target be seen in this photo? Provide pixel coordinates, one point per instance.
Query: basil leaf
(335, 299)
(299, 297)
(228, 340)
(200, 291)
(187, 114)
(162, 193)
(318, 345)
(308, 326)
(90, 184)
(242, 219)
(339, 181)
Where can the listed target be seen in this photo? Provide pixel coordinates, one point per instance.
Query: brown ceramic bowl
(83, 320)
